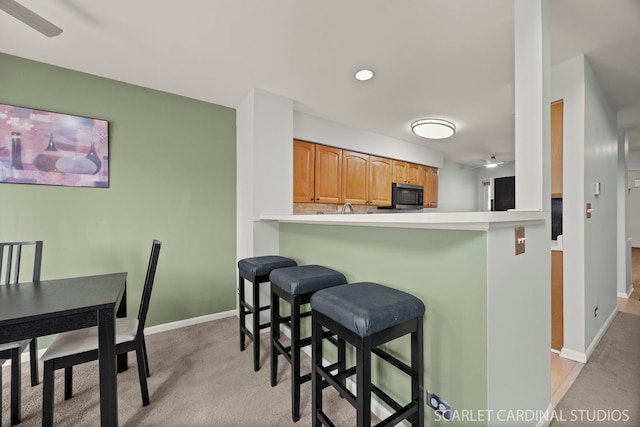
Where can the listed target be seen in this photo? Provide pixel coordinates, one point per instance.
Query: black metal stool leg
(363, 378)
(316, 377)
(241, 307)
(275, 335)
(256, 327)
(295, 359)
(417, 374)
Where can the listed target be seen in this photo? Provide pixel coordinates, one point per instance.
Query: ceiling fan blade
(30, 18)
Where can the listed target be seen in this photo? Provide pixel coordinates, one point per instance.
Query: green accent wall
(172, 167)
(445, 269)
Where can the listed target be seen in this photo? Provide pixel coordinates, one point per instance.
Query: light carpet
(607, 390)
(199, 377)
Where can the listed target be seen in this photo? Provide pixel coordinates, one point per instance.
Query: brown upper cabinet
(323, 174)
(304, 155)
(317, 173)
(366, 179)
(328, 174)
(406, 173)
(430, 183)
(556, 148)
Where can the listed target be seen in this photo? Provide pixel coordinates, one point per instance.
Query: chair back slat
(148, 285)
(11, 260)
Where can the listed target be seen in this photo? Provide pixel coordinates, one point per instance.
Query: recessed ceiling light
(433, 128)
(364, 75)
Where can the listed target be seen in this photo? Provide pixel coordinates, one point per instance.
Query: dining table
(36, 309)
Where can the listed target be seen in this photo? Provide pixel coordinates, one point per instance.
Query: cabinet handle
(311, 199)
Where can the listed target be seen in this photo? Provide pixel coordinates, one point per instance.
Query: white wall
(633, 162)
(601, 165)
(518, 288)
(634, 209)
(567, 83)
(590, 154)
(314, 129)
(624, 286)
(264, 131)
(456, 189)
(633, 219)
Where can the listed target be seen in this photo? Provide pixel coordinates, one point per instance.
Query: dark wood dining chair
(14, 259)
(12, 351)
(81, 346)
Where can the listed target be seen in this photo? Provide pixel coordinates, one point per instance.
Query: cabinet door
(303, 171)
(354, 177)
(431, 188)
(399, 171)
(328, 174)
(556, 148)
(557, 311)
(413, 174)
(380, 172)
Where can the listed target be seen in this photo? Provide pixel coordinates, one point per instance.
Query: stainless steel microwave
(406, 196)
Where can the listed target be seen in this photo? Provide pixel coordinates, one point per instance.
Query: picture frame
(49, 148)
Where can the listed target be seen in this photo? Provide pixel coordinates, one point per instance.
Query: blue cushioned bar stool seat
(296, 285)
(367, 315)
(256, 270)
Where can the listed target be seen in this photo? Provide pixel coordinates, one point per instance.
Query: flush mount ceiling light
(433, 128)
(364, 75)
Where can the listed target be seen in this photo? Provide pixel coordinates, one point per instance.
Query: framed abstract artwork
(43, 147)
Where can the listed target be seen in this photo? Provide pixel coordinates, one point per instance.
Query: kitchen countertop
(480, 221)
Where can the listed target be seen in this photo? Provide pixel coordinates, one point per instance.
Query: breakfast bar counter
(487, 304)
(479, 221)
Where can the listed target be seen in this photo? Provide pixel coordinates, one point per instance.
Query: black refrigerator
(504, 193)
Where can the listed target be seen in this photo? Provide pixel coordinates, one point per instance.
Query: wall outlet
(595, 312)
(439, 405)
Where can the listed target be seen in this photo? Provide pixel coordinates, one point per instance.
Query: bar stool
(367, 315)
(256, 270)
(296, 285)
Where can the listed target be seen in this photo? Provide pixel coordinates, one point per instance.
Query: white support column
(532, 86)
(264, 126)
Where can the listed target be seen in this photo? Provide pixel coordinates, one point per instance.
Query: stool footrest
(400, 415)
(324, 419)
(385, 398)
(392, 360)
(249, 309)
(332, 380)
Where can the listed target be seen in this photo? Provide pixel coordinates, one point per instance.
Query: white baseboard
(547, 418)
(187, 322)
(600, 333)
(576, 356)
(154, 329)
(582, 357)
(626, 295)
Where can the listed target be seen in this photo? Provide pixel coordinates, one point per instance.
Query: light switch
(589, 210)
(520, 240)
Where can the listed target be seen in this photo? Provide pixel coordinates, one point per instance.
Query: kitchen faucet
(344, 208)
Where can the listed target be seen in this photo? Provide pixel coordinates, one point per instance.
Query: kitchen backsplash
(328, 209)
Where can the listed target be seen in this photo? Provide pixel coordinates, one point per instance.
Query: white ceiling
(451, 59)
